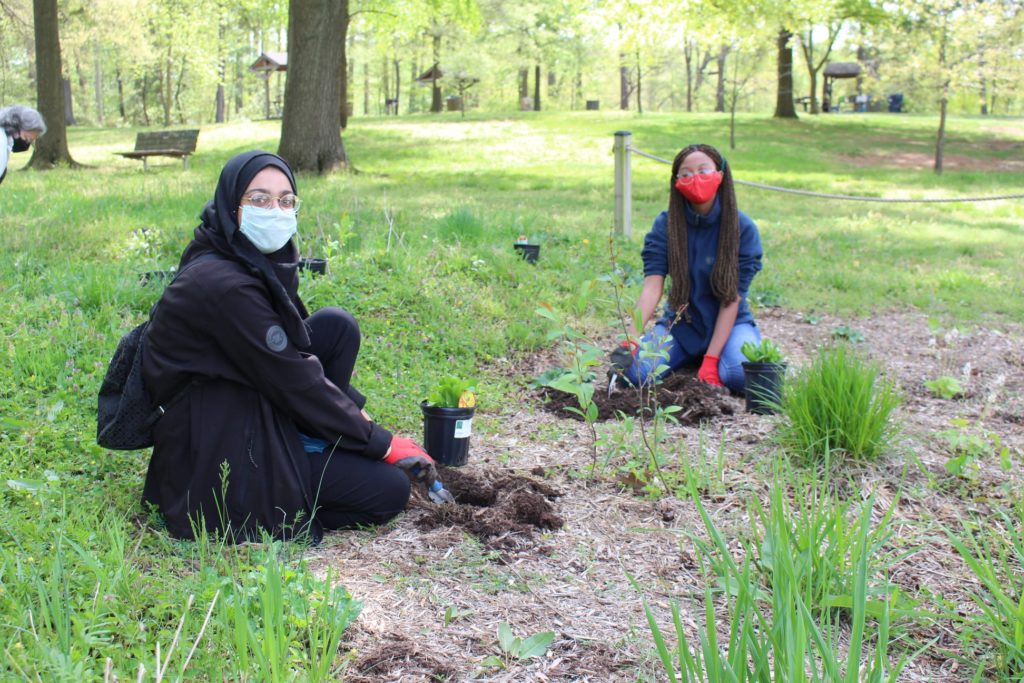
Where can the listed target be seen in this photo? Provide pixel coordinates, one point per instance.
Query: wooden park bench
(164, 143)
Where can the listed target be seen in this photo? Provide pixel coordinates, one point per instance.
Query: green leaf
(536, 645)
(505, 638)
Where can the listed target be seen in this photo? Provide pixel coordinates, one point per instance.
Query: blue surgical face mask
(267, 229)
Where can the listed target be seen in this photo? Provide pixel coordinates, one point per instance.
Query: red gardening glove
(708, 372)
(404, 453)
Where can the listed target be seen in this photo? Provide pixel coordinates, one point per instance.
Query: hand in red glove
(414, 460)
(708, 372)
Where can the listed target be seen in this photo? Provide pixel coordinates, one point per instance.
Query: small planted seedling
(945, 387)
(764, 352)
(763, 372)
(452, 392)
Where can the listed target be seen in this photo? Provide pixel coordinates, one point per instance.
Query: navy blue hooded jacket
(694, 334)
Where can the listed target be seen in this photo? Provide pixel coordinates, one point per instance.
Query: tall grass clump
(840, 404)
(995, 555)
(462, 224)
(773, 634)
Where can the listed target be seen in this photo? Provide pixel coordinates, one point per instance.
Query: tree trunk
(784, 108)
(345, 72)
(536, 88)
(639, 84)
(435, 93)
(311, 130)
(239, 87)
(120, 96)
(219, 104)
(98, 82)
(413, 105)
(398, 84)
(50, 149)
(69, 111)
(165, 86)
(623, 85)
(385, 86)
(366, 88)
(723, 53)
(688, 60)
(940, 139)
(807, 47)
(144, 96)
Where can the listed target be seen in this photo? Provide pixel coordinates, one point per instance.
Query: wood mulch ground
(533, 543)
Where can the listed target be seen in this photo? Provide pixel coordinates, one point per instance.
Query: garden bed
(437, 584)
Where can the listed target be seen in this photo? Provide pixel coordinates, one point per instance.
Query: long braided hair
(725, 274)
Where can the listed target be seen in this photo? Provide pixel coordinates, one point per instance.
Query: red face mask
(699, 188)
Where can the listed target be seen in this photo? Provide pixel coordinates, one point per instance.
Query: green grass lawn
(419, 242)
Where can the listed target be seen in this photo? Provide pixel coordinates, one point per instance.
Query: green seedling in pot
(764, 352)
(452, 392)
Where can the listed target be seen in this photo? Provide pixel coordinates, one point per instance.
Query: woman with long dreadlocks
(711, 251)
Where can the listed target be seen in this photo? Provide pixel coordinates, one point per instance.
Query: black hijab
(219, 233)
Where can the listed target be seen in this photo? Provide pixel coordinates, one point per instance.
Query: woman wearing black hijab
(269, 435)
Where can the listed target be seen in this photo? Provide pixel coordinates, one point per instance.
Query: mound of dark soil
(396, 658)
(492, 506)
(699, 401)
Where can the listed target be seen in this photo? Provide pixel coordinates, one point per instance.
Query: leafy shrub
(840, 403)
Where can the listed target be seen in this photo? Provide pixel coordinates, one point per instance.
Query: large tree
(311, 130)
(52, 148)
(784, 108)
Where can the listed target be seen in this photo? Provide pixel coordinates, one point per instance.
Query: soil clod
(494, 506)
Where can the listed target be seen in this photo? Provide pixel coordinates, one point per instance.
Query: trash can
(593, 105)
(896, 103)
(454, 103)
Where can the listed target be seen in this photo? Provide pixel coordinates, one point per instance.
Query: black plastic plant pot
(763, 386)
(317, 266)
(446, 433)
(530, 252)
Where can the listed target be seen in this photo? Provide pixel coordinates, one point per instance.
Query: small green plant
(578, 377)
(515, 649)
(968, 448)
(994, 551)
(945, 387)
(452, 392)
(841, 403)
(765, 351)
(847, 333)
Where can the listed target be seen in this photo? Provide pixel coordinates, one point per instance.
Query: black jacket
(229, 452)
(215, 323)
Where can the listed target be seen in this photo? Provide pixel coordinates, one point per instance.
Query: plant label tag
(463, 428)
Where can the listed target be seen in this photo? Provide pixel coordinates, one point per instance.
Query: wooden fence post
(623, 184)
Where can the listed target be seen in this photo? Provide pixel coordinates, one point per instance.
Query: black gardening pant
(350, 490)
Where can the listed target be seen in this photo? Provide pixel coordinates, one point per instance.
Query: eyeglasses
(262, 200)
(684, 173)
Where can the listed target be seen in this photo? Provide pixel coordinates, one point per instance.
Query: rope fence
(624, 187)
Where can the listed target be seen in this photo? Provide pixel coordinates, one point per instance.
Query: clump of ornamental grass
(841, 404)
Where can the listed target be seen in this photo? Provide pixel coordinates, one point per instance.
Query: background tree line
(166, 62)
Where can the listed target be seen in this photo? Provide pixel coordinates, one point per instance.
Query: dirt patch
(499, 509)
(699, 402)
(925, 161)
(398, 658)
